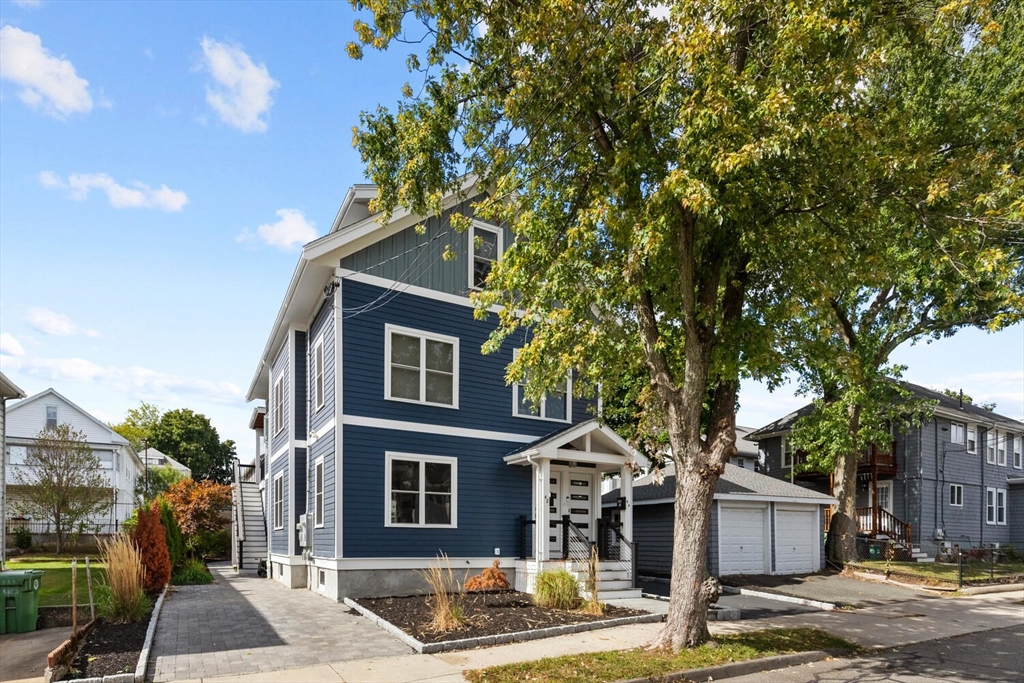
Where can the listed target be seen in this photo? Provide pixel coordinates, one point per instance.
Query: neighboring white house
(152, 458)
(8, 390)
(121, 465)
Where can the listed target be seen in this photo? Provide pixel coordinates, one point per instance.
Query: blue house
(387, 437)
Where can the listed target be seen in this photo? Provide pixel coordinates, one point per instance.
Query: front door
(572, 494)
(885, 496)
(555, 514)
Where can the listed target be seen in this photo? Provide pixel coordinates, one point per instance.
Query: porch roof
(589, 442)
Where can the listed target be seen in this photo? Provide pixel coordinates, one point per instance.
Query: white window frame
(277, 404)
(318, 493)
(390, 456)
(956, 500)
(423, 337)
(478, 225)
(517, 389)
(788, 455)
(318, 374)
(278, 502)
(1001, 449)
(972, 439)
(1018, 462)
(958, 433)
(56, 417)
(991, 436)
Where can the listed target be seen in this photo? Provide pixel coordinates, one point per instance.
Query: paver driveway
(242, 625)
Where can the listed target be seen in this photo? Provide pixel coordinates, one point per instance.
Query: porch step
(621, 594)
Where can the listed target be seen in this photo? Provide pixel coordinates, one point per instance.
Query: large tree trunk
(842, 531)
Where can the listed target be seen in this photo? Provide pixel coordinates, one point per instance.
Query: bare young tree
(63, 482)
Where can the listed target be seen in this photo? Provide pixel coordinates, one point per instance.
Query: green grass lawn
(624, 664)
(935, 572)
(55, 588)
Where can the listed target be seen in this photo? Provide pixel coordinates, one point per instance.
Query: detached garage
(759, 525)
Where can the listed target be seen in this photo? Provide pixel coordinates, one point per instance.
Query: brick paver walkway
(244, 625)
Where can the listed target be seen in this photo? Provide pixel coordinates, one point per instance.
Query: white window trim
(478, 225)
(959, 488)
(318, 493)
(319, 389)
(278, 500)
(991, 437)
(56, 417)
(1001, 506)
(963, 433)
(1018, 460)
(517, 387)
(277, 400)
(972, 430)
(787, 455)
(423, 336)
(448, 460)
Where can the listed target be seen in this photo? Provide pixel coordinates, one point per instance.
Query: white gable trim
(115, 438)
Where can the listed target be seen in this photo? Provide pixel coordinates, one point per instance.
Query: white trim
(972, 435)
(288, 560)
(424, 337)
(371, 563)
(471, 250)
(422, 459)
(318, 374)
(517, 388)
(429, 428)
(955, 425)
(1018, 456)
(740, 497)
(766, 534)
(997, 493)
(791, 454)
(275, 500)
(960, 496)
(339, 446)
(319, 506)
(324, 430)
(281, 451)
(415, 290)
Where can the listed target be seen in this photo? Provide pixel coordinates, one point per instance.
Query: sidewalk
(888, 626)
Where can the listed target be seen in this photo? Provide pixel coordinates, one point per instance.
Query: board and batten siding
(491, 497)
(484, 402)
(416, 259)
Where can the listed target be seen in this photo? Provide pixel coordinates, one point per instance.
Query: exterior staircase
(249, 530)
(613, 582)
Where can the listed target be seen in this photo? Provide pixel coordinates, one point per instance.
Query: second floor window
(421, 367)
(972, 439)
(51, 417)
(957, 431)
(990, 446)
(278, 402)
(1017, 451)
(318, 375)
(787, 452)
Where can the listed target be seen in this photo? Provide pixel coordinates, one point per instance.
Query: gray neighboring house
(956, 479)
(151, 458)
(759, 524)
(8, 390)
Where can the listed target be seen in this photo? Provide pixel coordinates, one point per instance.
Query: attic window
(51, 417)
(485, 243)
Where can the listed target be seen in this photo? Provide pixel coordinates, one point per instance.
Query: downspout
(935, 487)
(982, 454)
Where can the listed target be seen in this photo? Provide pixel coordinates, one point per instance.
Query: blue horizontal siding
(301, 372)
(279, 438)
(323, 538)
(322, 331)
(278, 537)
(491, 496)
(485, 401)
(299, 492)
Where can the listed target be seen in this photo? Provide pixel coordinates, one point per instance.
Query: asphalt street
(986, 657)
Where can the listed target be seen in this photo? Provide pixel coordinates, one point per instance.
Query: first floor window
(279, 501)
(318, 489)
(421, 490)
(277, 399)
(956, 495)
(995, 506)
(956, 432)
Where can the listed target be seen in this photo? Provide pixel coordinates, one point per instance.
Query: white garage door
(795, 541)
(741, 540)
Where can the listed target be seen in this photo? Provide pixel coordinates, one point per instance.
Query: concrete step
(623, 594)
(924, 560)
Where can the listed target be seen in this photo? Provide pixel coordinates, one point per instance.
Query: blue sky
(160, 166)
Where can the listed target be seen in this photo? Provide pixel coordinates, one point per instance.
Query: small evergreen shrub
(557, 589)
(490, 579)
(22, 538)
(192, 573)
(151, 539)
(175, 539)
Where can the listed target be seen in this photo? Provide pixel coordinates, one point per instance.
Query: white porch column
(541, 547)
(626, 488)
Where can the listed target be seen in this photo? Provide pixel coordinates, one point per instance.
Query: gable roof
(151, 455)
(947, 406)
(9, 389)
(114, 436)
(563, 438)
(735, 482)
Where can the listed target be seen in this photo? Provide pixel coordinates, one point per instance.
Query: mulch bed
(110, 648)
(489, 613)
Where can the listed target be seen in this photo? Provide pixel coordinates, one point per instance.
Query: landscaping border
(500, 639)
(74, 643)
(744, 668)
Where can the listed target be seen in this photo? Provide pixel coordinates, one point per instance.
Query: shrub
(490, 579)
(175, 539)
(22, 538)
(128, 525)
(192, 573)
(151, 539)
(122, 599)
(557, 589)
(211, 545)
(446, 605)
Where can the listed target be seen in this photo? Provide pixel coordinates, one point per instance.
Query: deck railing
(876, 521)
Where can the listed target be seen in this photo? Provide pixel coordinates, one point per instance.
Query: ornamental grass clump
(122, 599)
(192, 573)
(447, 603)
(593, 605)
(557, 589)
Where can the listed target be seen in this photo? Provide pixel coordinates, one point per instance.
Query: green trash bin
(19, 591)
(874, 552)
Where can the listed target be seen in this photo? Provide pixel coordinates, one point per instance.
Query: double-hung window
(1001, 449)
(279, 501)
(972, 439)
(1017, 461)
(995, 506)
(957, 430)
(956, 495)
(553, 405)
(787, 452)
(51, 417)
(421, 490)
(991, 437)
(318, 374)
(278, 401)
(318, 492)
(421, 367)
(485, 245)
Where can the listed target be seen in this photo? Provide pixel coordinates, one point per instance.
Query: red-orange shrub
(151, 539)
(490, 579)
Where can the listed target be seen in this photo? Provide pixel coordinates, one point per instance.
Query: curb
(827, 606)
(880, 578)
(1001, 588)
(751, 666)
(502, 639)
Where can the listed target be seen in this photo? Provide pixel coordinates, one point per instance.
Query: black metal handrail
(568, 528)
(524, 522)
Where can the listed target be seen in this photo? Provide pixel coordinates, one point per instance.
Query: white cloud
(290, 231)
(9, 346)
(135, 381)
(241, 90)
(47, 83)
(28, 4)
(56, 324)
(138, 196)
